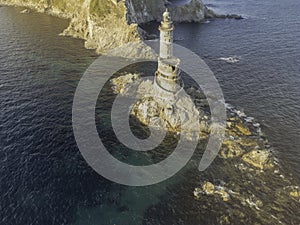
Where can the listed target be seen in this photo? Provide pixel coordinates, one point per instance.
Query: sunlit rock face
(107, 24)
(142, 11)
(175, 113)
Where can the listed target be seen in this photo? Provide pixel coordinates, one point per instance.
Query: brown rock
(260, 159)
(225, 196)
(231, 149)
(247, 142)
(243, 129)
(208, 188)
(295, 192)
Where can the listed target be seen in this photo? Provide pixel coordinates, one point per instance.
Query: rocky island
(246, 152)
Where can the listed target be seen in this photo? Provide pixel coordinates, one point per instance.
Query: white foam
(231, 59)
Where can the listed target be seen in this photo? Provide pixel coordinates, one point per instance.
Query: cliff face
(106, 24)
(141, 11)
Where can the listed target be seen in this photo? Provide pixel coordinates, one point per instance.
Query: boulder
(231, 149)
(261, 159)
(121, 83)
(208, 188)
(244, 130)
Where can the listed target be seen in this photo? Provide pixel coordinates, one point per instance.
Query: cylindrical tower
(166, 29)
(167, 76)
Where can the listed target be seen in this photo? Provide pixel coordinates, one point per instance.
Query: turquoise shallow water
(44, 179)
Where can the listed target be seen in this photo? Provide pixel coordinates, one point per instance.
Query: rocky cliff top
(106, 24)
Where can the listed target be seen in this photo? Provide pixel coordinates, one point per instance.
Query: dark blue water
(43, 177)
(265, 83)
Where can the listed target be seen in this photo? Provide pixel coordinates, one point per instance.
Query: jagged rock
(208, 188)
(121, 83)
(225, 196)
(293, 191)
(143, 11)
(229, 16)
(224, 220)
(107, 24)
(179, 116)
(25, 11)
(231, 149)
(176, 114)
(198, 192)
(261, 159)
(146, 110)
(133, 50)
(247, 142)
(253, 201)
(236, 128)
(210, 14)
(243, 129)
(295, 194)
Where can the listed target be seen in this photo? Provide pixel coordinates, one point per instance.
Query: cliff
(106, 24)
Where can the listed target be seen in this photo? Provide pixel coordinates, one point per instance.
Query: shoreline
(95, 31)
(250, 176)
(209, 193)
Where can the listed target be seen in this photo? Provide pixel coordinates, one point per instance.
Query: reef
(251, 183)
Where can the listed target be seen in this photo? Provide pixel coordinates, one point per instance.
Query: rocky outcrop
(248, 169)
(243, 139)
(176, 113)
(261, 159)
(210, 189)
(106, 24)
(143, 11)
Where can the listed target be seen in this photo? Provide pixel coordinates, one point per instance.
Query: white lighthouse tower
(167, 76)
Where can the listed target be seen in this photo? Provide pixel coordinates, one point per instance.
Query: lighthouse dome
(166, 16)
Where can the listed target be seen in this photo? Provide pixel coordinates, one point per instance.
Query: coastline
(94, 25)
(248, 175)
(206, 192)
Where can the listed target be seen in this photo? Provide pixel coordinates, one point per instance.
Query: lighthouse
(167, 76)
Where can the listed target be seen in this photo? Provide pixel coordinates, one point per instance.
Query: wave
(231, 59)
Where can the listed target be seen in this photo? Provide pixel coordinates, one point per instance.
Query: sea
(44, 180)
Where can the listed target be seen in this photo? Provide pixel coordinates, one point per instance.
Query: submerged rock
(225, 196)
(295, 194)
(293, 191)
(210, 14)
(209, 188)
(25, 11)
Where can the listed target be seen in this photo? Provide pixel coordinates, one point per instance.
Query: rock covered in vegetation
(107, 24)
